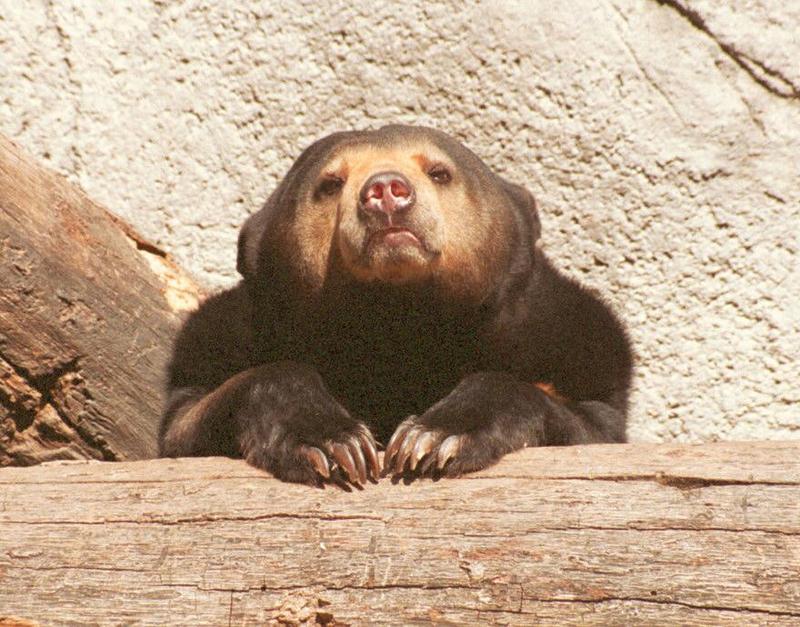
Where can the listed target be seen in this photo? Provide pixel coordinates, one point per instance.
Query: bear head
(401, 205)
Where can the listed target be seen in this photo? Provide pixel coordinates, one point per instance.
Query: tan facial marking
(422, 161)
(460, 220)
(424, 218)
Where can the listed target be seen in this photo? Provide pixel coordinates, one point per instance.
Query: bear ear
(255, 228)
(526, 205)
(249, 239)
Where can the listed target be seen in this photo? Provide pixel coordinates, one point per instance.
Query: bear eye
(440, 174)
(329, 186)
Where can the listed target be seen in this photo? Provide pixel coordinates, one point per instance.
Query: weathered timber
(596, 535)
(88, 310)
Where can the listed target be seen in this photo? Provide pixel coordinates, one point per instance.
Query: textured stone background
(662, 140)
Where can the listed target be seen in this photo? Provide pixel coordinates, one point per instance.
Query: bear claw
(318, 460)
(419, 451)
(373, 463)
(352, 461)
(422, 447)
(395, 443)
(344, 460)
(447, 450)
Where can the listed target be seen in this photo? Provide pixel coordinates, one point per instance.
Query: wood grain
(614, 534)
(88, 310)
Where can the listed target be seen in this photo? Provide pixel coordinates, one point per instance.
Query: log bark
(88, 310)
(597, 535)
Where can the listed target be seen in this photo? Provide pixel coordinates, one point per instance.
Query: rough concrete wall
(662, 139)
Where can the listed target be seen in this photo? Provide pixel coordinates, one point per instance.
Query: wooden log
(88, 310)
(597, 535)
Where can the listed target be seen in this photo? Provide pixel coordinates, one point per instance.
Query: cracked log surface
(87, 314)
(615, 534)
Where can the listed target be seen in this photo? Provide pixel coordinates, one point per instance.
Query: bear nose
(387, 193)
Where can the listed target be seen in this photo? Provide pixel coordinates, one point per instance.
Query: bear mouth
(395, 237)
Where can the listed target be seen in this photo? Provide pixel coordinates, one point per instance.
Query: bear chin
(395, 257)
(398, 265)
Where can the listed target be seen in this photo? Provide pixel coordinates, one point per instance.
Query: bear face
(394, 292)
(399, 205)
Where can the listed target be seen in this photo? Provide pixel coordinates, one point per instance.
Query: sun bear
(394, 291)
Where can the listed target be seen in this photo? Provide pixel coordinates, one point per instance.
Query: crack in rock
(769, 78)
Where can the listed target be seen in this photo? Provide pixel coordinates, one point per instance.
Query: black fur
(318, 368)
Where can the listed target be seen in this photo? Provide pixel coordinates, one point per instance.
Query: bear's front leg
(486, 416)
(281, 418)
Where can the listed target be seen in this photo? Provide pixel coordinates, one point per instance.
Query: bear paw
(417, 450)
(351, 458)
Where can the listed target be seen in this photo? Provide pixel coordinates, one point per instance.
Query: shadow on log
(608, 534)
(88, 310)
